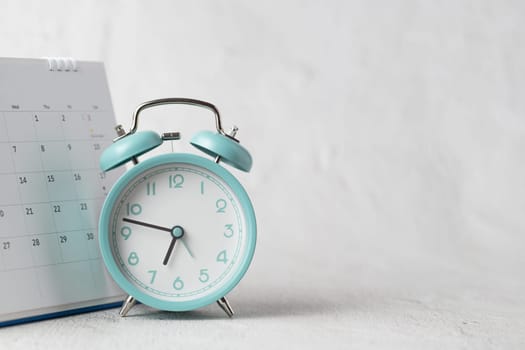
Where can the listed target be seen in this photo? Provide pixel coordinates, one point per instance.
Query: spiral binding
(62, 64)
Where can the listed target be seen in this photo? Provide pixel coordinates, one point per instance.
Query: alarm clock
(177, 231)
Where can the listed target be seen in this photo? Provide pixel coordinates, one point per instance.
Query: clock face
(177, 232)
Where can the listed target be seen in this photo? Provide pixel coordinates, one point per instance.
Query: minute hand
(147, 224)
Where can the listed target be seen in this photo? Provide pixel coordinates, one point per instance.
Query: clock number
(220, 204)
(90, 236)
(50, 178)
(221, 257)
(56, 209)
(6, 245)
(150, 189)
(204, 277)
(178, 284)
(133, 259)
(134, 208)
(125, 232)
(29, 211)
(83, 206)
(63, 239)
(176, 181)
(36, 242)
(77, 177)
(22, 180)
(153, 275)
(36, 118)
(229, 231)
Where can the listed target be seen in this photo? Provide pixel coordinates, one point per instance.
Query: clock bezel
(105, 231)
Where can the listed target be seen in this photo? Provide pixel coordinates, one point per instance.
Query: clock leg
(127, 305)
(225, 306)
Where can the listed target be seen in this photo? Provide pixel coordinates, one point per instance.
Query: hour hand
(176, 233)
(170, 250)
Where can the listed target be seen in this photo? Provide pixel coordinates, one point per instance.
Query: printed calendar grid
(54, 124)
(51, 167)
(42, 172)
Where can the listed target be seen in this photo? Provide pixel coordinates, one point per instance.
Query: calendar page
(56, 118)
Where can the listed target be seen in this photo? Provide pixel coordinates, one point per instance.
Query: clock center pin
(177, 232)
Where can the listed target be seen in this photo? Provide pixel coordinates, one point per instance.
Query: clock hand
(170, 249)
(162, 228)
(147, 225)
(176, 232)
(187, 249)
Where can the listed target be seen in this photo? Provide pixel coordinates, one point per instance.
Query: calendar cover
(56, 117)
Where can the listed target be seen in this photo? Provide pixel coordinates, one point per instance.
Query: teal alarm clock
(177, 231)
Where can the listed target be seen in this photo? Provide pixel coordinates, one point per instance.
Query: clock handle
(166, 101)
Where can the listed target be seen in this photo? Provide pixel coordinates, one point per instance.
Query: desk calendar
(56, 118)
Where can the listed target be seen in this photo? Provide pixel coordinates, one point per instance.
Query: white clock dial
(177, 232)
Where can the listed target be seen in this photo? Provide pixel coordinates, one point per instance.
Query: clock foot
(127, 305)
(225, 306)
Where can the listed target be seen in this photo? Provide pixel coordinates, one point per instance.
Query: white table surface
(303, 302)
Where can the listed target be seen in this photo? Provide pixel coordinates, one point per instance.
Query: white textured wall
(388, 140)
